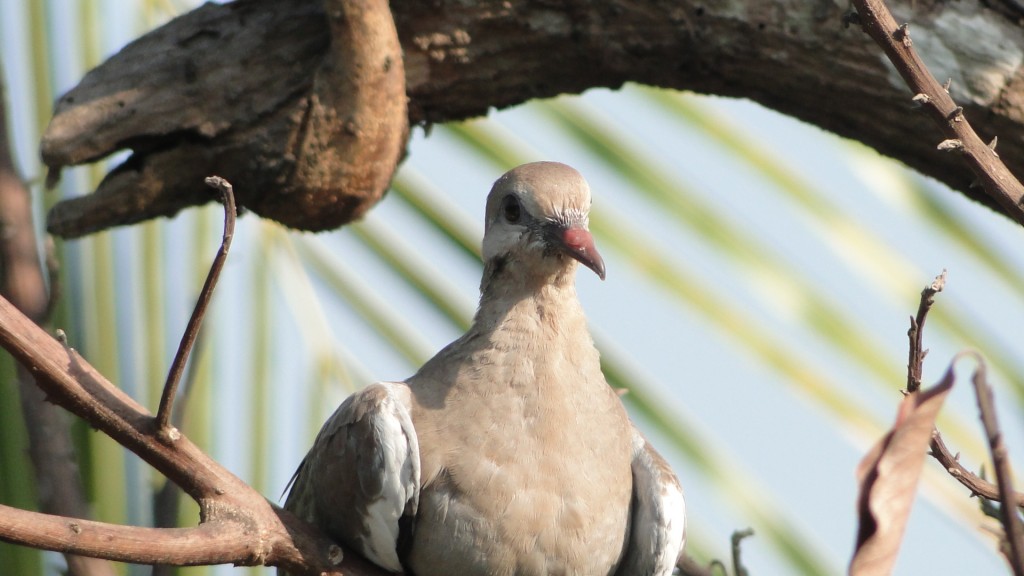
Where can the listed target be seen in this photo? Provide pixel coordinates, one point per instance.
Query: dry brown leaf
(888, 477)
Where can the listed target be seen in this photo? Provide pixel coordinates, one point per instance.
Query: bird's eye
(511, 210)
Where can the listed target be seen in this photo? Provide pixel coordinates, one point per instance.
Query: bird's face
(539, 212)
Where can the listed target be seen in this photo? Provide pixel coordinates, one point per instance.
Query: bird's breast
(525, 465)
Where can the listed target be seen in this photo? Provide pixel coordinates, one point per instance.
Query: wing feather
(658, 522)
(362, 474)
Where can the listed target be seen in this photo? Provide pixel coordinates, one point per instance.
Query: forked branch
(1002, 491)
(239, 525)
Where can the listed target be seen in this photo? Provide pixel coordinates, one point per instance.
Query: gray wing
(658, 523)
(362, 475)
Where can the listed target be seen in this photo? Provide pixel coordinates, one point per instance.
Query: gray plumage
(507, 453)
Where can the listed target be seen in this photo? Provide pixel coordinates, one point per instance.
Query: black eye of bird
(511, 209)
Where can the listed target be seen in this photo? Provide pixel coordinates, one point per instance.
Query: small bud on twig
(951, 145)
(903, 34)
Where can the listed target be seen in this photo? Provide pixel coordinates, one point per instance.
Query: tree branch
(917, 352)
(210, 543)
(272, 536)
(191, 333)
(977, 485)
(950, 462)
(1002, 491)
(1004, 476)
(163, 96)
(896, 41)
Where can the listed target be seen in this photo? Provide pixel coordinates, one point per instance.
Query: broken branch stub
(311, 126)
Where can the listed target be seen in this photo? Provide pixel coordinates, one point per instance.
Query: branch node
(951, 145)
(921, 99)
(903, 35)
(957, 115)
(948, 83)
(168, 435)
(62, 337)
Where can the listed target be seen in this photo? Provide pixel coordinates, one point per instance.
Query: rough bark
(222, 71)
(305, 113)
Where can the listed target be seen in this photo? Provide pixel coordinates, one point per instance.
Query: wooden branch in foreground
(265, 534)
(210, 543)
(997, 180)
(1002, 491)
(1008, 515)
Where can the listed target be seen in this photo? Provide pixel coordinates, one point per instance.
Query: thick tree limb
(165, 94)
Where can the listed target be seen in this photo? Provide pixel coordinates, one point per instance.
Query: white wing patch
(672, 528)
(400, 480)
(658, 530)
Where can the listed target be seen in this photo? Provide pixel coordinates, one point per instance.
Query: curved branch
(273, 536)
(163, 95)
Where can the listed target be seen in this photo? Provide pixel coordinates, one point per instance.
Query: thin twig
(895, 40)
(1002, 491)
(917, 351)
(167, 500)
(688, 566)
(950, 462)
(976, 484)
(738, 537)
(1001, 461)
(188, 339)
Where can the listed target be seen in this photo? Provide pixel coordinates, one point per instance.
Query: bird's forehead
(546, 190)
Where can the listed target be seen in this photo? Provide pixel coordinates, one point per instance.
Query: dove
(507, 453)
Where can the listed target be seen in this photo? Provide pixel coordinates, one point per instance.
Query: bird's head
(538, 214)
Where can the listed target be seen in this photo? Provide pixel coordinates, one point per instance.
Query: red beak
(577, 242)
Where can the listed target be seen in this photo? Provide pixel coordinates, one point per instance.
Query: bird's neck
(545, 301)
